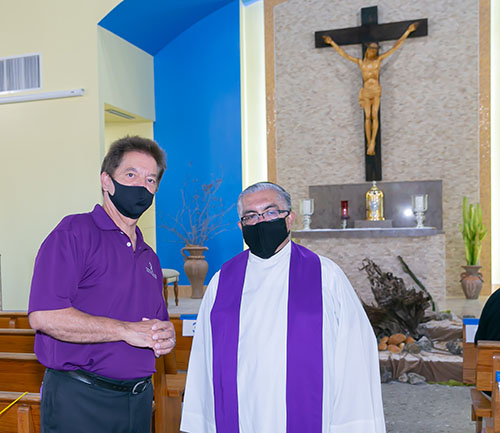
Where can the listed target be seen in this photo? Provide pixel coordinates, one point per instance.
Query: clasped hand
(155, 334)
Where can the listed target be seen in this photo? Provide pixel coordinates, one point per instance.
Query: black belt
(134, 387)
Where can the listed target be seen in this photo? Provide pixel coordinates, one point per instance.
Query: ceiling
(152, 24)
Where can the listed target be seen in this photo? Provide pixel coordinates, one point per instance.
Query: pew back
(182, 346)
(17, 340)
(14, 319)
(469, 359)
(22, 417)
(485, 374)
(20, 372)
(486, 408)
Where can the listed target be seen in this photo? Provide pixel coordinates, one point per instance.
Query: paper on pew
(471, 325)
(188, 324)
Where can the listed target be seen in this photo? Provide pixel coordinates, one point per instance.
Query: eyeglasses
(269, 215)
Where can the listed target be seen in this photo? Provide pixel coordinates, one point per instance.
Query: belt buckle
(139, 387)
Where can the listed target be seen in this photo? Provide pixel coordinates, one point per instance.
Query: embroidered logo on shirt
(150, 271)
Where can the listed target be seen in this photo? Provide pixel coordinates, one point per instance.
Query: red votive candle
(344, 206)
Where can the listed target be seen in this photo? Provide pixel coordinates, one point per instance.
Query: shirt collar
(102, 219)
(104, 222)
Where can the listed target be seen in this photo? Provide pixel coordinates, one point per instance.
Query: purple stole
(304, 378)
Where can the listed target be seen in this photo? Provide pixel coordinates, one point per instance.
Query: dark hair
(133, 144)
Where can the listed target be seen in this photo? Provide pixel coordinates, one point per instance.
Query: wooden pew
(23, 416)
(14, 319)
(17, 340)
(20, 372)
(19, 319)
(485, 408)
(16, 352)
(183, 344)
(469, 359)
(169, 391)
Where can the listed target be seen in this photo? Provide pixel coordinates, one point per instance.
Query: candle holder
(344, 213)
(419, 204)
(306, 210)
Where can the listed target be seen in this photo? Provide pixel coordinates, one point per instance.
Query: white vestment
(352, 400)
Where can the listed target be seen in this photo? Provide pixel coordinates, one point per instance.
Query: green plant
(473, 231)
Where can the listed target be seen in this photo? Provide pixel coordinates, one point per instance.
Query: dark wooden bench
(23, 416)
(486, 409)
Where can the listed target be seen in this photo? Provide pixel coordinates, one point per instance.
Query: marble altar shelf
(366, 232)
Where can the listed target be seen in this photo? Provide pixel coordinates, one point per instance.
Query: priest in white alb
(282, 343)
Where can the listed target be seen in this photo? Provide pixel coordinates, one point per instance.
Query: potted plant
(200, 218)
(473, 232)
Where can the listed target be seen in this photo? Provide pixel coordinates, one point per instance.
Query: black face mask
(263, 238)
(131, 201)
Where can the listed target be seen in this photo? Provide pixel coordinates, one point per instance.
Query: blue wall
(198, 123)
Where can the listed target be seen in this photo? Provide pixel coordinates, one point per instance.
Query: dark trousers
(71, 406)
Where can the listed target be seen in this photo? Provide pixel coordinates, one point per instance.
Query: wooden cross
(371, 31)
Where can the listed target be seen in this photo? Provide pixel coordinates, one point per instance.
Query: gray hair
(262, 186)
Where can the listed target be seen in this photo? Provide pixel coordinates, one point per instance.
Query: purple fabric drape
(304, 378)
(304, 388)
(225, 321)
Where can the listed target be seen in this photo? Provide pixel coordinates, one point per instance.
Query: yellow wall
(253, 94)
(495, 145)
(126, 76)
(50, 150)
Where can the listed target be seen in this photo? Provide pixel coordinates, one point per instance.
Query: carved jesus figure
(369, 95)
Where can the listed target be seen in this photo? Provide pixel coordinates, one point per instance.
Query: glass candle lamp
(306, 210)
(419, 203)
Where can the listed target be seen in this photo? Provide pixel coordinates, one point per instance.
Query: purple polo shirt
(88, 263)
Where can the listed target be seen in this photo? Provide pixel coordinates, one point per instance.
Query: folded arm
(75, 326)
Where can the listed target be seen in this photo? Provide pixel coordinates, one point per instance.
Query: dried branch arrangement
(399, 310)
(201, 216)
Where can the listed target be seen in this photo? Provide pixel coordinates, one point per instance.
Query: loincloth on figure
(368, 94)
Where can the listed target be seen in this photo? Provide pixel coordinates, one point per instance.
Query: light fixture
(408, 212)
(120, 113)
(41, 96)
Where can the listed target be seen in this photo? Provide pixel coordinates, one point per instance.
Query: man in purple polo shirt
(97, 306)
(282, 343)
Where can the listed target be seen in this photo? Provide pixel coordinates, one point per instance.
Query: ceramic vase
(196, 268)
(472, 281)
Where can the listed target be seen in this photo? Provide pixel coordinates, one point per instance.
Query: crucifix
(369, 34)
